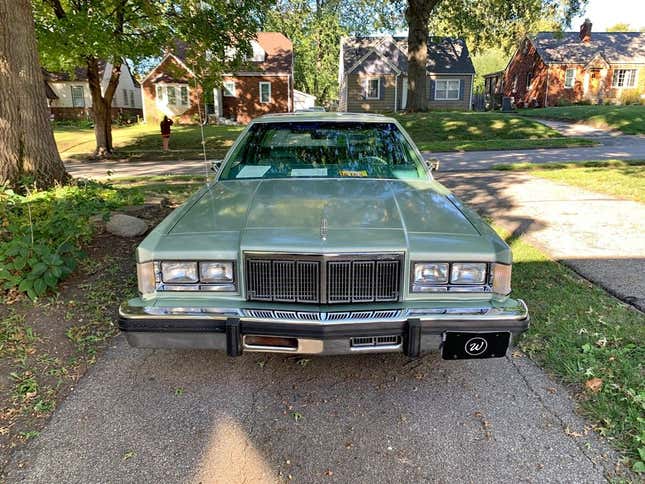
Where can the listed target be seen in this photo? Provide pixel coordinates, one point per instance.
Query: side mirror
(215, 165)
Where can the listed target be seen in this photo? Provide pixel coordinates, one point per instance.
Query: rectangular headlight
(502, 279)
(179, 272)
(468, 273)
(216, 272)
(430, 273)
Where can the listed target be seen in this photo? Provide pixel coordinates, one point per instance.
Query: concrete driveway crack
(554, 414)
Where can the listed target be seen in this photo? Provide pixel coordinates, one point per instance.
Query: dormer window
(258, 52)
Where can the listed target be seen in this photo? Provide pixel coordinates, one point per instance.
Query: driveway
(173, 416)
(600, 237)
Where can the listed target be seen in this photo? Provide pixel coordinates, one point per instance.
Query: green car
(325, 233)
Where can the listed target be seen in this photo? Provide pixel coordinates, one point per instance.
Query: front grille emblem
(323, 228)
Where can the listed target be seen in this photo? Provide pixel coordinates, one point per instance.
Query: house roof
(277, 47)
(567, 48)
(445, 55)
(49, 92)
(80, 74)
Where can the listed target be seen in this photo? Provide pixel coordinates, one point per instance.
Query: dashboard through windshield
(324, 150)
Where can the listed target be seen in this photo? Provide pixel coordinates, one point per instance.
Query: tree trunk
(102, 104)
(417, 14)
(27, 146)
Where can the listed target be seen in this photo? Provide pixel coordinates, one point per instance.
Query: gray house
(373, 74)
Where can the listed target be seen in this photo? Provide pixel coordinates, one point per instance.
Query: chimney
(585, 31)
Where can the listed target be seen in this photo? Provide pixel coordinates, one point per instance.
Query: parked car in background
(325, 233)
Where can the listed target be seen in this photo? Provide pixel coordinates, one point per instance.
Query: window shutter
(381, 88)
(461, 89)
(364, 88)
(431, 84)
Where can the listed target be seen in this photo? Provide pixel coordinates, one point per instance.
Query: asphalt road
(172, 416)
(613, 147)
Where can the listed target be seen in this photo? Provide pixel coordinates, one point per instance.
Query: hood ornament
(323, 228)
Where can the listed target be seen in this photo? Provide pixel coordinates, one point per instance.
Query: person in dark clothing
(165, 125)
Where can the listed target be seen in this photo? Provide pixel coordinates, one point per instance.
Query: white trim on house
(169, 54)
(260, 91)
(256, 74)
(573, 80)
(177, 86)
(447, 89)
(366, 87)
(634, 79)
(229, 91)
(470, 100)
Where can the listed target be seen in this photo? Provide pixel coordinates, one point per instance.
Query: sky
(605, 13)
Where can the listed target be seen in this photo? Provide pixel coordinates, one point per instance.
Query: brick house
(373, 74)
(551, 68)
(68, 94)
(265, 86)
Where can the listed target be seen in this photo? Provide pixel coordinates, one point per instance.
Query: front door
(594, 83)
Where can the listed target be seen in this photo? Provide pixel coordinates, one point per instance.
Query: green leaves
(41, 234)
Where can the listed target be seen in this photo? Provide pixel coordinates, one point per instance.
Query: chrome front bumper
(409, 330)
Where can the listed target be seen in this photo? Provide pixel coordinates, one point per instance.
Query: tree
(315, 30)
(488, 18)
(86, 33)
(619, 27)
(27, 147)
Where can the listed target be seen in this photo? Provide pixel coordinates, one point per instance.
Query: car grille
(323, 279)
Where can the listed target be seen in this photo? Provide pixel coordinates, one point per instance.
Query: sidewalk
(600, 237)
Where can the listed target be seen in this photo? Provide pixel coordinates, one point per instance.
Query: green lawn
(435, 131)
(628, 119)
(454, 130)
(581, 333)
(622, 179)
(143, 142)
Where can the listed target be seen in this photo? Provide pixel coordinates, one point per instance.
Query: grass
(453, 130)
(143, 142)
(591, 340)
(435, 131)
(621, 179)
(628, 119)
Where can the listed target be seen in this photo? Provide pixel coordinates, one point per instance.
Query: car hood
(270, 213)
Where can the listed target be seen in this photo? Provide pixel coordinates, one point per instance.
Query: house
(493, 84)
(302, 100)
(69, 97)
(553, 68)
(264, 86)
(373, 74)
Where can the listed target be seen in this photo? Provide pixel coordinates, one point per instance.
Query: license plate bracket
(472, 345)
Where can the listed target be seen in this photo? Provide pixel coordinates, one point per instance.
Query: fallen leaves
(594, 385)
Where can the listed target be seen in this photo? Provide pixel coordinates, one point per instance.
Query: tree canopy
(73, 33)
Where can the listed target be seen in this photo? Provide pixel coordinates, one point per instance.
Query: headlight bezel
(417, 287)
(163, 284)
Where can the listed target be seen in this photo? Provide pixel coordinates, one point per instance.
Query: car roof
(323, 116)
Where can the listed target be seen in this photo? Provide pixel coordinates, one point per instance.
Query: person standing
(165, 125)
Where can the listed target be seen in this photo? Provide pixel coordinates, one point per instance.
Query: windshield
(324, 150)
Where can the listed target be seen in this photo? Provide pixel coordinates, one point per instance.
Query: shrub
(630, 96)
(42, 233)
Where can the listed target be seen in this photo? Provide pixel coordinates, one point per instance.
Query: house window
(529, 80)
(78, 97)
(372, 88)
(159, 93)
(265, 92)
(447, 89)
(229, 88)
(125, 97)
(570, 78)
(171, 93)
(624, 78)
(132, 98)
(184, 95)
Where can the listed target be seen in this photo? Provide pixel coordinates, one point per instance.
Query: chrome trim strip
(483, 313)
